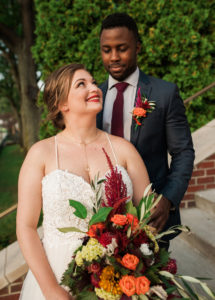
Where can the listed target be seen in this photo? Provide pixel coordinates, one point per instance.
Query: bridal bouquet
(120, 256)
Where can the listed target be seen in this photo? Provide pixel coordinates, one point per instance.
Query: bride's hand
(59, 294)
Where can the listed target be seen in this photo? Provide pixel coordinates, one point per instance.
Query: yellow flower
(105, 295)
(93, 250)
(109, 281)
(79, 259)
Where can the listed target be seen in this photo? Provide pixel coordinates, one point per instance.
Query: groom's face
(119, 49)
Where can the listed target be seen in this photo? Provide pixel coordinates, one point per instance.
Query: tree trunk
(30, 114)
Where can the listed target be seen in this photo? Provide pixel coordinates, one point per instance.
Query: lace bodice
(57, 188)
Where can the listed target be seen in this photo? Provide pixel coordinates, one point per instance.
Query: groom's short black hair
(120, 20)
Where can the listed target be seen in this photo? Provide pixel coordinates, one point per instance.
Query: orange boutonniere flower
(142, 108)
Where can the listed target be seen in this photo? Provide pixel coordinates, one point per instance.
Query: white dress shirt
(129, 98)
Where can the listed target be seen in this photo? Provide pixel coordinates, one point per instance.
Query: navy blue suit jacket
(164, 130)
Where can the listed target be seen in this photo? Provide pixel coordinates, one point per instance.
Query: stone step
(206, 200)
(192, 262)
(202, 236)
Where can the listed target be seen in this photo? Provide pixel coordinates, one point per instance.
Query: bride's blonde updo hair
(56, 91)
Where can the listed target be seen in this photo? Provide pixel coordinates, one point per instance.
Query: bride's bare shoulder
(42, 149)
(121, 144)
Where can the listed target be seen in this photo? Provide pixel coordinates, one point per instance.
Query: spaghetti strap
(56, 152)
(114, 155)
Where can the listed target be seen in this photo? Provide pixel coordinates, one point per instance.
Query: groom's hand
(160, 214)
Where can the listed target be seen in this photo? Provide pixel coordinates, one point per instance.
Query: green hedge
(178, 40)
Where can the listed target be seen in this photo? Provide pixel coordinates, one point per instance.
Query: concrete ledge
(205, 200)
(204, 142)
(202, 227)
(3, 281)
(191, 262)
(12, 263)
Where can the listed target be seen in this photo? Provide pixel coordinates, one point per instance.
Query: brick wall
(203, 178)
(12, 291)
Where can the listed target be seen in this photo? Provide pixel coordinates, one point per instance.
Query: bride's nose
(93, 87)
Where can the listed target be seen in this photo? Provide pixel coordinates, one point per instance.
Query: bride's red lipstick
(94, 98)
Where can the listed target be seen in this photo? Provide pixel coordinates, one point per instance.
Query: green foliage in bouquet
(120, 257)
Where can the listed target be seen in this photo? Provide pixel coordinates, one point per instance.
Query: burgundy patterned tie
(117, 114)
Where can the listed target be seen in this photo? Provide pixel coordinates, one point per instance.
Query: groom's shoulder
(159, 83)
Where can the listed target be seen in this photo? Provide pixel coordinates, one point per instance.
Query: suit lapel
(103, 87)
(145, 89)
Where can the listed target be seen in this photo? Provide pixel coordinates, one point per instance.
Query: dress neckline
(79, 176)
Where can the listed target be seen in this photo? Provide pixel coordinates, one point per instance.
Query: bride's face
(84, 94)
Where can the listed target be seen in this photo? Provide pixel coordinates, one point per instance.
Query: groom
(164, 130)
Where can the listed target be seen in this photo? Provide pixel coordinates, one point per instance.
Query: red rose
(94, 268)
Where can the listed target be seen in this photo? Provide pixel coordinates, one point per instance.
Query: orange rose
(96, 229)
(142, 285)
(130, 261)
(139, 112)
(119, 220)
(133, 221)
(127, 285)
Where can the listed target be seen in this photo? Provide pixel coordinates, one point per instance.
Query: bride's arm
(28, 212)
(128, 156)
(137, 172)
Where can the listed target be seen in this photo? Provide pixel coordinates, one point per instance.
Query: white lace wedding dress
(57, 188)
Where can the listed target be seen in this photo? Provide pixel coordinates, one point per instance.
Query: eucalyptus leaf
(101, 215)
(190, 279)
(142, 201)
(81, 211)
(150, 201)
(190, 290)
(166, 274)
(158, 236)
(157, 201)
(207, 290)
(142, 211)
(70, 229)
(129, 232)
(147, 189)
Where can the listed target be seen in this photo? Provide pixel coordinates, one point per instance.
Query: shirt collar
(131, 79)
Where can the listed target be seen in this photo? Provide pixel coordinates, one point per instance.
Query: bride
(61, 168)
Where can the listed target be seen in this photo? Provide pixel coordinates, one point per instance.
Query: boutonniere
(142, 108)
